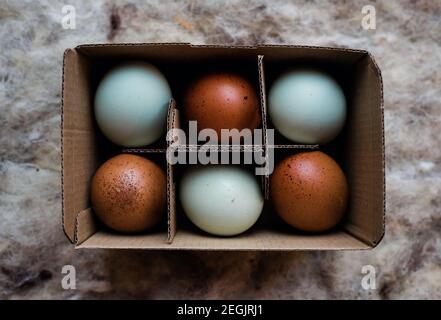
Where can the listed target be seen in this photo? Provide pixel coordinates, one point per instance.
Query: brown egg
(222, 101)
(309, 191)
(128, 193)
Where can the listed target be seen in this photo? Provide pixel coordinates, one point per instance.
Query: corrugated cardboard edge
(265, 178)
(222, 148)
(296, 146)
(85, 226)
(300, 46)
(252, 47)
(171, 207)
(87, 45)
(187, 44)
(71, 238)
(172, 123)
(143, 150)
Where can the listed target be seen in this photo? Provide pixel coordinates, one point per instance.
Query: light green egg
(131, 104)
(307, 106)
(220, 199)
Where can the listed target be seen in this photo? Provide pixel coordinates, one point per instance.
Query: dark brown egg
(128, 193)
(222, 101)
(309, 191)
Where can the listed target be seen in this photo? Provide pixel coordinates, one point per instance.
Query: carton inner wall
(360, 154)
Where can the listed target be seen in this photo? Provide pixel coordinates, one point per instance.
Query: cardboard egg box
(359, 149)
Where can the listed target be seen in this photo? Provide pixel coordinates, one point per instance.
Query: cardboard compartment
(359, 149)
(185, 73)
(87, 225)
(340, 65)
(269, 232)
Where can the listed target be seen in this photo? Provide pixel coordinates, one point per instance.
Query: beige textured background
(33, 249)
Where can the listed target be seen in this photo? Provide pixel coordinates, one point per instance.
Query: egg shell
(131, 104)
(222, 101)
(128, 193)
(307, 106)
(309, 191)
(221, 200)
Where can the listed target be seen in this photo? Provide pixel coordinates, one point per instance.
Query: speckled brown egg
(222, 101)
(128, 193)
(309, 191)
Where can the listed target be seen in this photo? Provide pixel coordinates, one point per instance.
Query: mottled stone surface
(33, 248)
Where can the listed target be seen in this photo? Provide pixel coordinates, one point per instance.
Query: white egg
(221, 200)
(131, 104)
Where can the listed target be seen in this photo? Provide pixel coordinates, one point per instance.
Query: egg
(222, 101)
(307, 106)
(131, 104)
(309, 191)
(220, 199)
(128, 193)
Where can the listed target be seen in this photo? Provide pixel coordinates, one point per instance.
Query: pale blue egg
(131, 104)
(307, 106)
(221, 200)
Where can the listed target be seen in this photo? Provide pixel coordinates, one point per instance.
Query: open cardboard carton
(359, 149)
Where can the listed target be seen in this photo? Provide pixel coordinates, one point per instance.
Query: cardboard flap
(86, 225)
(266, 240)
(79, 158)
(364, 151)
